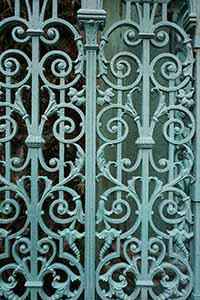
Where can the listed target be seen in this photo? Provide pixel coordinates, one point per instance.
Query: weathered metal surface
(145, 216)
(129, 117)
(36, 256)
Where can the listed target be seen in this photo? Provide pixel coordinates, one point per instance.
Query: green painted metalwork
(36, 253)
(132, 118)
(151, 258)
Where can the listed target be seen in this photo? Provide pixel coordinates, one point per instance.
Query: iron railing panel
(113, 211)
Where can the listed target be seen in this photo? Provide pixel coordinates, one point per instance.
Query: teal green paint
(91, 4)
(145, 154)
(136, 253)
(34, 154)
(195, 247)
(171, 242)
(90, 192)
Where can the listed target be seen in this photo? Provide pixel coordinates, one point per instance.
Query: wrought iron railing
(112, 210)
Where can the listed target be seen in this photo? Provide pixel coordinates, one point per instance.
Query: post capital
(97, 16)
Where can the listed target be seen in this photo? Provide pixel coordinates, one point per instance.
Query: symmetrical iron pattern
(123, 128)
(45, 253)
(144, 212)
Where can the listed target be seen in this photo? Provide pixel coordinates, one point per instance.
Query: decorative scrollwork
(144, 126)
(145, 134)
(41, 210)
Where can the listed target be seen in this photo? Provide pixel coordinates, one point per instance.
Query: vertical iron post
(92, 20)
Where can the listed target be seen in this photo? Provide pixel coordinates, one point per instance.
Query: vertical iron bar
(90, 190)
(145, 223)
(92, 20)
(62, 145)
(34, 149)
(128, 10)
(172, 134)
(145, 155)
(17, 8)
(164, 12)
(8, 146)
(34, 167)
(196, 198)
(119, 134)
(55, 9)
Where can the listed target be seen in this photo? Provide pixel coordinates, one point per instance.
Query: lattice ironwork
(111, 212)
(46, 251)
(145, 214)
